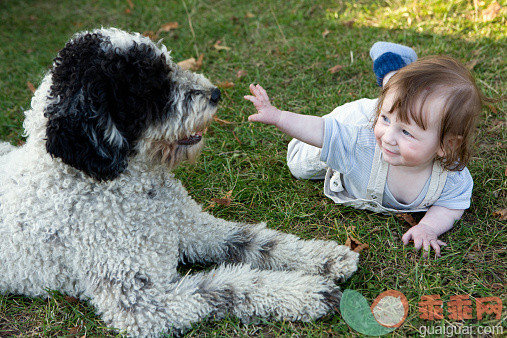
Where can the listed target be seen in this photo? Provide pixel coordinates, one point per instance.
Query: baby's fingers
(426, 247)
(250, 98)
(418, 243)
(262, 91)
(436, 246)
(406, 237)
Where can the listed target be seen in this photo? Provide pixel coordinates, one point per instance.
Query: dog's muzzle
(194, 139)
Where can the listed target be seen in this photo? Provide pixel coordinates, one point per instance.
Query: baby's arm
(435, 222)
(306, 128)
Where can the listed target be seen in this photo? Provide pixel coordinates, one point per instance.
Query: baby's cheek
(377, 131)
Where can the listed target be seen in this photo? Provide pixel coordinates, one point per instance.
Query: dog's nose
(215, 95)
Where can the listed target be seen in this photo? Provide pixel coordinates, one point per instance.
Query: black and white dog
(88, 205)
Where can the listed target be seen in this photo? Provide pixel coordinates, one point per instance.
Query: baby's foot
(388, 57)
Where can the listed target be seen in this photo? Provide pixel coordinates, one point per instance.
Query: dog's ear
(79, 128)
(105, 97)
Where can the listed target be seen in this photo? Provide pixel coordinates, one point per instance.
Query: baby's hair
(445, 77)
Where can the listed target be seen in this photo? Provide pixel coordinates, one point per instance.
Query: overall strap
(437, 183)
(378, 177)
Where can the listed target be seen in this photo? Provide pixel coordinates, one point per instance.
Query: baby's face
(408, 144)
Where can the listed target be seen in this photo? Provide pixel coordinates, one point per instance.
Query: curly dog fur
(88, 205)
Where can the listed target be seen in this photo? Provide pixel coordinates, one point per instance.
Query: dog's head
(114, 95)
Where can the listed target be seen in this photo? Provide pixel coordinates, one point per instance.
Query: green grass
(280, 45)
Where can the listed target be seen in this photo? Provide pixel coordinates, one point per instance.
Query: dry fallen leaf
(74, 330)
(236, 137)
(226, 200)
(218, 46)
(491, 12)
(501, 214)
(188, 64)
(31, 86)
(131, 4)
(471, 64)
(225, 84)
(335, 69)
(407, 218)
(355, 245)
(249, 15)
(71, 300)
(168, 27)
(151, 34)
(192, 63)
(349, 24)
(241, 73)
(325, 33)
(220, 121)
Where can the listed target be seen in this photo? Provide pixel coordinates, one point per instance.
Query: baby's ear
(452, 143)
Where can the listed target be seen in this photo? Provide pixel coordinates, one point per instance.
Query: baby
(403, 152)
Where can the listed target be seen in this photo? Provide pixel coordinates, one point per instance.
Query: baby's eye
(384, 118)
(406, 133)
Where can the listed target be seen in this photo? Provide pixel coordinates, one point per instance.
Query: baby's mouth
(389, 152)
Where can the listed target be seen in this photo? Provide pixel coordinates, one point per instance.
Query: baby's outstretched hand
(266, 113)
(423, 236)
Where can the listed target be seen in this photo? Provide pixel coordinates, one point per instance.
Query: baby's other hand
(266, 113)
(423, 236)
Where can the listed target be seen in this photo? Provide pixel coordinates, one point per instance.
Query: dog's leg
(238, 290)
(215, 240)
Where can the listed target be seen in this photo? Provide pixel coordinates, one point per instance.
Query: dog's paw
(340, 262)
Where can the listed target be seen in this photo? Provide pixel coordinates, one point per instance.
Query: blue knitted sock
(388, 57)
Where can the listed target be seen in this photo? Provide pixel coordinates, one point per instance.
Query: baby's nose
(389, 136)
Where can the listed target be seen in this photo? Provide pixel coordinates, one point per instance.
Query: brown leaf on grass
(492, 108)
(199, 61)
(249, 15)
(349, 24)
(501, 214)
(497, 286)
(131, 4)
(167, 27)
(218, 46)
(191, 64)
(236, 138)
(226, 200)
(74, 330)
(188, 64)
(225, 84)
(151, 34)
(407, 218)
(355, 245)
(71, 300)
(471, 64)
(505, 171)
(491, 12)
(128, 11)
(241, 73)
(335, 69)
(31, 86)
(220, 121)
(325, 33)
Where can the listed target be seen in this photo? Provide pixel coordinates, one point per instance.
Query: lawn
(311, 56)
